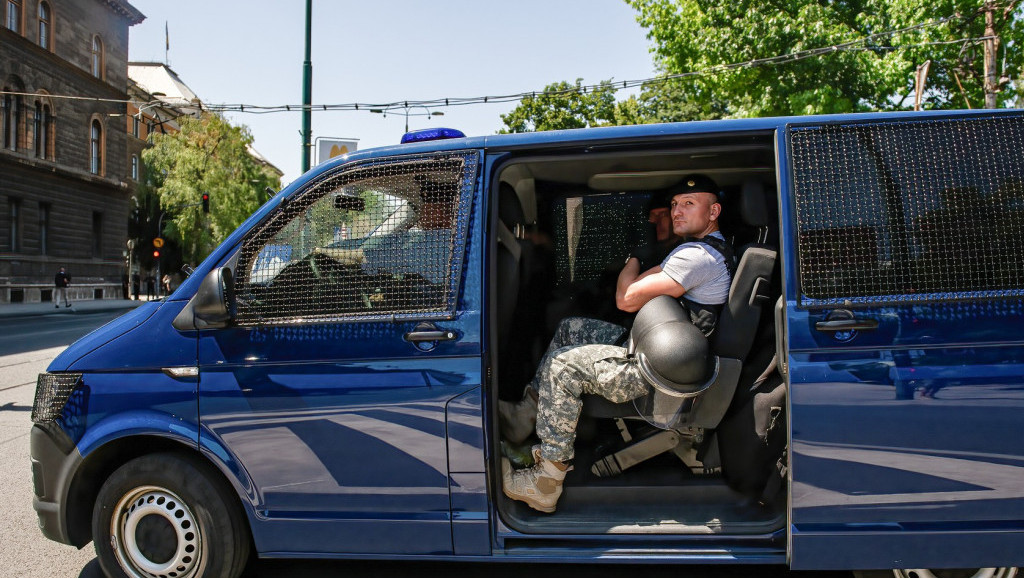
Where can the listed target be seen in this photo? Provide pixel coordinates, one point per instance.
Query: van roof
(645, 131)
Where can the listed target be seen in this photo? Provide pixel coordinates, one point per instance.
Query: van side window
(905, 211)
(377, 241)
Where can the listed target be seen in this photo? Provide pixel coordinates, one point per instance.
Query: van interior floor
(660, 496)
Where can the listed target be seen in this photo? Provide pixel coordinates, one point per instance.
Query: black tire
(926, 573)
(167, 515)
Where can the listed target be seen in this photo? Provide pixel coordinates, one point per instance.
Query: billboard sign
(328, 147)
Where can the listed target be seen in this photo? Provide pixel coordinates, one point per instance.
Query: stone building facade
(65, 168)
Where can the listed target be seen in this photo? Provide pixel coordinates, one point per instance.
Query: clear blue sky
(384, 51)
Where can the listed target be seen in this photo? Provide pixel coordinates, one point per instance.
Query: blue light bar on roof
(426, 134)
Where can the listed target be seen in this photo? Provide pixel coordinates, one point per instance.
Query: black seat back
(751, 285)
(511, 223)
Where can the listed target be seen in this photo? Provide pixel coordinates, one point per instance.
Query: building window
(11, 115)
(44, 228)
(12, 15)
(97, 57)
(44, 25)
(135, 167)
(135, 126)
(96, 148)
(97, 234)
(14, 208)
(39, 130)
(49, 133)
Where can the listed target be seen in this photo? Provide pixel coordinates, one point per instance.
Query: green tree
(208, 155)
(704, 37)
(561, 106)
(678, 100)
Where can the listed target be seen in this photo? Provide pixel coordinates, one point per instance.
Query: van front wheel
(926, 573)
(165, 515)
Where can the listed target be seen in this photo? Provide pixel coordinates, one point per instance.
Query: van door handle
(847, 325)
(428, 332)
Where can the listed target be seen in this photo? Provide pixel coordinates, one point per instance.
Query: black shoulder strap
(722, 247)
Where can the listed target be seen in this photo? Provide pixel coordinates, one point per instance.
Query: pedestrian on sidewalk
(61, 282)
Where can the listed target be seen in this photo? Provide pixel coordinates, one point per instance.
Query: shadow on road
(404, 569)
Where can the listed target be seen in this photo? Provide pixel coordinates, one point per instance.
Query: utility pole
(307, 90)
(991, 48)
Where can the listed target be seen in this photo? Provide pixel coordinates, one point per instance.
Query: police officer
(581, 358)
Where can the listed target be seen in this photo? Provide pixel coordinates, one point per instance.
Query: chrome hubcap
(155, 535)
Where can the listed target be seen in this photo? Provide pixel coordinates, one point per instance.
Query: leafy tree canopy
(879, 45)
(208, 155)
(561, 106)
(871, 69)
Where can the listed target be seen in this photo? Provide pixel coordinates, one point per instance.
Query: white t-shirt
(701, 270)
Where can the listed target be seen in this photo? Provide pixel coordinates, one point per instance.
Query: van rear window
(904, 211)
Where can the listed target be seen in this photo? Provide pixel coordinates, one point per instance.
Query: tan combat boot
(539, 486)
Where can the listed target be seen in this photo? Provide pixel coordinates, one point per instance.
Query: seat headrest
(510, 210)
(752, 206)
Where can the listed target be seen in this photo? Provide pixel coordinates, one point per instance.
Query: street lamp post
(307, 90)
(405, 110)
(131, 258)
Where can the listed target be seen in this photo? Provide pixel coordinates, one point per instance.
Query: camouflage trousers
(580, 359)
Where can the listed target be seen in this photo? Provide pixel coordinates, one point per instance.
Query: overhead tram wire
(853, 45)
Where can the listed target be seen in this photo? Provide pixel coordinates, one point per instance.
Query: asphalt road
(31, 333)
(27, 345)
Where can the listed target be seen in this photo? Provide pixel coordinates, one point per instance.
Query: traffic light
(206, 202)
(156, 253)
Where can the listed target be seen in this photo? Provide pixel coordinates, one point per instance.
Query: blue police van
(326, 383)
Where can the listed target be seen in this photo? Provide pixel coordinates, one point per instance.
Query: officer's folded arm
(630, 296)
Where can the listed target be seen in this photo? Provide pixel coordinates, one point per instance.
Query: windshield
(336, 225)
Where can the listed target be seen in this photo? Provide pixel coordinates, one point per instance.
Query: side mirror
(212, 306)
(214, 303)
(349, 203)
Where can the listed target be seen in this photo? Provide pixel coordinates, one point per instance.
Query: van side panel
(906, 344)
(470, 508)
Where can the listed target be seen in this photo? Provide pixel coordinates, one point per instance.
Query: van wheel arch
(168, 514)
(104, 461)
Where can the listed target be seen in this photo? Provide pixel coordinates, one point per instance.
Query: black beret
(695, 183)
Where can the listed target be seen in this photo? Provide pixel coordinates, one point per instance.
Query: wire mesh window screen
(383, 241)
(896, 212)
(594, 234)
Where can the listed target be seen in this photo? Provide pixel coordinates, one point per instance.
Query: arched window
(96, 148)
(42, 128)
(12, 15)
(97, 57)
(38, 131)
(49, 133)
(10, 117)
(45, 20)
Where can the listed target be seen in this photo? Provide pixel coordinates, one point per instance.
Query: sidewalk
(11, 310)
